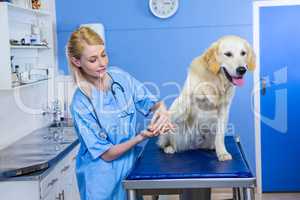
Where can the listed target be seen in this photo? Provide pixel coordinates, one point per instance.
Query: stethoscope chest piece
(102, 135)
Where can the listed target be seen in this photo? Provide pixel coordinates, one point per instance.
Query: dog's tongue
(238, 81)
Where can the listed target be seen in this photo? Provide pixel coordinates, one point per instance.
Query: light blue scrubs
(98, 179)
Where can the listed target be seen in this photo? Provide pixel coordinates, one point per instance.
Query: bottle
(35, 34)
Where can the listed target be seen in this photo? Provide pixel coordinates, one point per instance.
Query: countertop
(43, 147)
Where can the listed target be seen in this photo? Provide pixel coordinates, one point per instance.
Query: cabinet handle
(52, 182)
(58, 198)
(63, 195)
(65, 168)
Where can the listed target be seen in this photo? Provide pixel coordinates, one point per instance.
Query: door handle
(263, 86)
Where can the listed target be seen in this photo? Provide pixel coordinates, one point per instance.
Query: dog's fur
(201, 111)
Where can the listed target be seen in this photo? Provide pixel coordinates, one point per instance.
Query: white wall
(21, 109)
(16, 120)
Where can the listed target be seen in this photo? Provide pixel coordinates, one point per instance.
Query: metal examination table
(190, 174)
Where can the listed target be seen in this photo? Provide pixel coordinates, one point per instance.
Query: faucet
(55, 110)
(56, 126)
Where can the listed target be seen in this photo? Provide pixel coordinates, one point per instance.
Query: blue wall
(160, 51)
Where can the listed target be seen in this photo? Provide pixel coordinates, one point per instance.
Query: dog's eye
(243, 53)
(228, 54)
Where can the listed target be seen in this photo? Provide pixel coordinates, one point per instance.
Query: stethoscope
(114, 85)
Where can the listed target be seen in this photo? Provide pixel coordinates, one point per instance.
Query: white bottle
(35, 34)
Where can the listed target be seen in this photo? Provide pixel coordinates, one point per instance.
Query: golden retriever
(201, 111)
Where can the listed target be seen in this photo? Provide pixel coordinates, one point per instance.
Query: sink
(37, 150)
(61, 124)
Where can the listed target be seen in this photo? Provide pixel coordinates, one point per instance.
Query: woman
(104, 112)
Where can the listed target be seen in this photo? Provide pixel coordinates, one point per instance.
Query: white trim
(256, 87)
(256, 79)
(270, 3)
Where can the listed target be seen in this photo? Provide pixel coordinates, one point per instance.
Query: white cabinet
(59, 183)
(27, 44)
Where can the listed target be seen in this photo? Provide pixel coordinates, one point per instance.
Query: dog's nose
(241, 70)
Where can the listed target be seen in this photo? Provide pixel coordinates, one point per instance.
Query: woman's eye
(103, 55)
(243, 53)
(228, 54)
(92, 61)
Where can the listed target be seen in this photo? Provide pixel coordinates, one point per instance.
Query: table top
(154, 164)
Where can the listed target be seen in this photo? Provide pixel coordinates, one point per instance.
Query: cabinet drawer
(59, 176)
(49, 183)
(67, 165)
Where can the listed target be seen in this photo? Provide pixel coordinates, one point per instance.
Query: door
(279, 46)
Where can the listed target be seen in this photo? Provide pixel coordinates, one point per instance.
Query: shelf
(25, 55)
(16, 84)
(37, 12)
(29, 47)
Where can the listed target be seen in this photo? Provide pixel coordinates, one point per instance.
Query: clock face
(163, 8)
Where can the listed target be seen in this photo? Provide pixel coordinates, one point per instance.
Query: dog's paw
(169, 150)
(224, 156)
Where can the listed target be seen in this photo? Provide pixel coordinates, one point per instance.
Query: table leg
(236, 194)
(241, 193)
(248, 193)
(131, 194)
(155, 197)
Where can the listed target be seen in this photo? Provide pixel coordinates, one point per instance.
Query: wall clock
(163, 8)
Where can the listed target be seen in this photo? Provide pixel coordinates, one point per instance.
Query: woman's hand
(160, 122)
(148, 134)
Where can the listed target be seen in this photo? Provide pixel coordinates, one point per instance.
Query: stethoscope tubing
(112, 91)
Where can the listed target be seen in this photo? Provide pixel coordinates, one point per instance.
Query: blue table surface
(155, 164)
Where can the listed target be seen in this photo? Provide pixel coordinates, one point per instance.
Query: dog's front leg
(221, 151)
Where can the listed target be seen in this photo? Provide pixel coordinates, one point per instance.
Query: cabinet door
(279, 39)
(74, 186)
(68, 181)
(65, 183)
(50, 184)
(53, 194)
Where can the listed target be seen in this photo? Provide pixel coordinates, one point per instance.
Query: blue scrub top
(98, 179)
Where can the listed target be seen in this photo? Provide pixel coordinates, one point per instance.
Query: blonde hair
(75, 48)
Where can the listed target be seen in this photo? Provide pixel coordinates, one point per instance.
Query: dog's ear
(210, 58)
(251, 58)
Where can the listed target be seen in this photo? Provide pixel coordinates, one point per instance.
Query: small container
(35, 30)
(26, 40)
(36, 4)
(35, 37)
(25, 76)
(14, 77)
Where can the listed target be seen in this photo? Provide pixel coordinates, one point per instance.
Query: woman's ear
(76, 62)
(210, 58)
